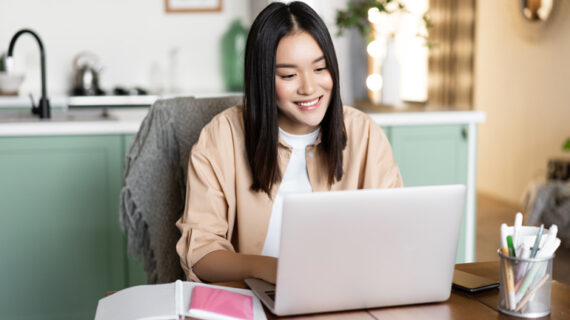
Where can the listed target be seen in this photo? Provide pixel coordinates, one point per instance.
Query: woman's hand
(227, 266)
(266, 269)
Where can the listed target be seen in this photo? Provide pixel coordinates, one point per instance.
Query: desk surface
(459, 306)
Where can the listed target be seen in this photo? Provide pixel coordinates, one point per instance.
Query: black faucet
(43, 109)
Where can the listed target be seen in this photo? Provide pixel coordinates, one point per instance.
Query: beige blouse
(222, 213)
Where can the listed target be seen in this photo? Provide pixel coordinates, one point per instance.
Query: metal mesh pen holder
(525, 286)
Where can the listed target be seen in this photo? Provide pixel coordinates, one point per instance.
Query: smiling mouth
(309, 105)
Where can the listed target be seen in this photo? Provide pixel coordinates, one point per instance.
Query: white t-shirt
(295, 180)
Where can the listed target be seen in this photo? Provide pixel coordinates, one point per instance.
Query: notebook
(180, 299)
(361, 249)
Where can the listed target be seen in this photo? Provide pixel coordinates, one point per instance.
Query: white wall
(133, 39)
(522, 82)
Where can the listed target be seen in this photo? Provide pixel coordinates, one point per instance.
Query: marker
(516, 233)
(511, 247)
(537, 241)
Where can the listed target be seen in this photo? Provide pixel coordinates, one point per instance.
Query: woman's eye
(286, 76)
(321, 69)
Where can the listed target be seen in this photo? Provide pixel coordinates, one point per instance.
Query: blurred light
(374, 15)
(392, 6)
(410, 50)
(374, 82)
(376, 49)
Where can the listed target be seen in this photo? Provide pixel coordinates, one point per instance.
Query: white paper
(139, 302)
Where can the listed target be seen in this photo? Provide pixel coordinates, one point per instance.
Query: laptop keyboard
(271, 294)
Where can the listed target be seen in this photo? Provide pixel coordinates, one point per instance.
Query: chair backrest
(156, 165)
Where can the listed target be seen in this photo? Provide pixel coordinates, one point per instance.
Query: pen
(516, 233)
(524, 254)
(510, 281)
(528, 279)
(504, 235)
(551, 238)
(537, 241)
(526, 298)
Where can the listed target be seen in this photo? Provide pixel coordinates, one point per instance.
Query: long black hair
(260, 107)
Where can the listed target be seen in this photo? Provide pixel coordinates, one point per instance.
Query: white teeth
(308, 104)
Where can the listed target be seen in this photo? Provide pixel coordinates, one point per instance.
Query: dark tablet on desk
(472, 283)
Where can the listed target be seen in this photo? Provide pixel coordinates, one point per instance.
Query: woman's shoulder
(230, 115)
(231, 118)
(225, 126)
(355, 118)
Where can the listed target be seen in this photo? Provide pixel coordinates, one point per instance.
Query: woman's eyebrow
(289, 65)
(285, 65)
(318, 59)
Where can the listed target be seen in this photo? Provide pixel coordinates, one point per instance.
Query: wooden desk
(460, 305)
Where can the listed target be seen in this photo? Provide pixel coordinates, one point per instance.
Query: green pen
(537, 241)
(511, 246)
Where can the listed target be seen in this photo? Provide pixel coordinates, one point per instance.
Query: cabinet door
(433, 155)
(61, 247)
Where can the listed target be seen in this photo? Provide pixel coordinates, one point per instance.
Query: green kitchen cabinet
(432, 155)
(61, 248)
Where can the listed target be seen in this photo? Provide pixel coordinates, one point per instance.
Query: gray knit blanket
(549, 203)
(155, 170)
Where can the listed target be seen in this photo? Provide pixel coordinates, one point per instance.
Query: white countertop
(427, 118)
(64, 102)
(75, 122)
(88, 121)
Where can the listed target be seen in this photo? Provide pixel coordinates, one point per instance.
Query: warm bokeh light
(374, 15)
(411, 54)
(376, 48)
(374, 82)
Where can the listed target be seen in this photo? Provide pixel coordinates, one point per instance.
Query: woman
(292, 135)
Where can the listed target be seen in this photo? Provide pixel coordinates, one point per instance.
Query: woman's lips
(309, 105)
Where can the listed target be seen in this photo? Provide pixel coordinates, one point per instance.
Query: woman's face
(303, 83)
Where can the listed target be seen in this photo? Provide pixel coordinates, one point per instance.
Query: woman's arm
(227, 266)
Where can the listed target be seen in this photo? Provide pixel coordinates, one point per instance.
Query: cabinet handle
(464, 133)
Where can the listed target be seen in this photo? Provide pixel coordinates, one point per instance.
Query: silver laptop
(360, 249)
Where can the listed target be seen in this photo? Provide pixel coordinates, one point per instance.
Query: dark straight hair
(260, 107)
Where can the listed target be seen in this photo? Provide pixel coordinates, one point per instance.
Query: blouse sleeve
(207, 217)
(382, 170)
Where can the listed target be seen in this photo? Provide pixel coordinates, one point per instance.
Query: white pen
(504, 235)
(552, 233)
(516, 233)
(549, 246)
(524, 254)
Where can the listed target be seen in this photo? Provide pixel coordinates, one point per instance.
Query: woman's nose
(307, 85)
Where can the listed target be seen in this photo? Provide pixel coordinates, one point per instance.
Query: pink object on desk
(222, 302)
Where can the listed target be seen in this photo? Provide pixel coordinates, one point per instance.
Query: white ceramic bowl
(10, 82)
